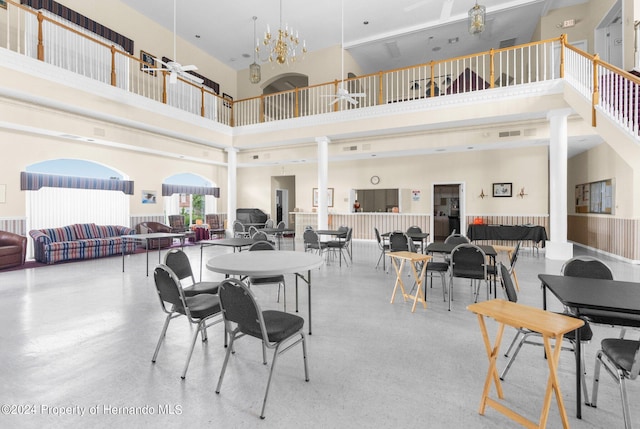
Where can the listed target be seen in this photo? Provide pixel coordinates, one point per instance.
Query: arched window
(190, 195)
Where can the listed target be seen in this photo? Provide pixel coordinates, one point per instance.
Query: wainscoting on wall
(363, 223)
(617, 236)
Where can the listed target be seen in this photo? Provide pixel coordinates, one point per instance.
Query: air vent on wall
(509, 133)
(507, 43)
(256, 156)
(349, 148)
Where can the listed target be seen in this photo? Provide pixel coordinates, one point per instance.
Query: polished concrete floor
(77, 341)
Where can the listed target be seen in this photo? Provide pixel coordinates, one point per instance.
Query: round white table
(269, 263)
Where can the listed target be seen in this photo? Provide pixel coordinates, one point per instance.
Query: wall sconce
(482, 194)
(521, 194)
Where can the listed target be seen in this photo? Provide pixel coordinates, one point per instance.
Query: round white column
(323, 173)
(232, 187)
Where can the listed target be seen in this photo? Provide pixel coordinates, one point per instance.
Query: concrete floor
(78, 338)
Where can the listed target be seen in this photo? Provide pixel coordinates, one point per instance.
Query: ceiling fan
(342, 93)
(175, 68)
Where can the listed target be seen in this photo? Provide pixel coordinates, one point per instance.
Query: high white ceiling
(417, 30)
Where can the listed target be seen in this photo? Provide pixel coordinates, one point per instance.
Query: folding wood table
(551, 326)
(413, 258)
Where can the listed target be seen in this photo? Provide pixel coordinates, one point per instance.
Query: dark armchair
(13, 249)
(150, 227)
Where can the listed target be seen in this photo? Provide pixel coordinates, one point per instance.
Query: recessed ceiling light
(453, 40)
(436, 48)
(469, 147)
(366, 22)
(246, 56)
(197, 36)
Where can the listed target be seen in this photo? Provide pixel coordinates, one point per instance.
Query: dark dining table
(621, 298)
(420, 236)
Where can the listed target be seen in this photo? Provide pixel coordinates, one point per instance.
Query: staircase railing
(611, 90)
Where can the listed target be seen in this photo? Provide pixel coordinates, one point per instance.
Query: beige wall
(155, 39)
(601, 163)
(524, 167)
(148, 171)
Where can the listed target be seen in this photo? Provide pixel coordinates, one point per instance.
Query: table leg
(309, 287)
(146, 249)
(123, 246)
(398, 280)
(552, 383)
(492, 354)
(419, 281)
(201, 246)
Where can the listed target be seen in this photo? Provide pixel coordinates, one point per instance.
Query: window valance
(34, 181)
(168, 190)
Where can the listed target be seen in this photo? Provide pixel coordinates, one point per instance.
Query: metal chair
(342, 246)
(269, 223)
(468, 261)
(273, 328)
(621, 360)
(416, 241)
(238, 230)
(585, 332)
(179, 263)
(312, 242)
(200, 309)
(384, 247)
(279, 280)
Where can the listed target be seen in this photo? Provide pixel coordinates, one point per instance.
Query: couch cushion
(106, 231)
(86, 230)
(65, 233)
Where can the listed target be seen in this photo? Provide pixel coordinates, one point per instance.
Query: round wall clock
(375, 180)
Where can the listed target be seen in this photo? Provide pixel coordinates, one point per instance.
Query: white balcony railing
(55, 41)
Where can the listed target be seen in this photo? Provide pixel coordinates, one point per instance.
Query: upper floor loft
(494, 98)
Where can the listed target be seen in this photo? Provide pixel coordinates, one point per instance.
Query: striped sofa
(79, 241)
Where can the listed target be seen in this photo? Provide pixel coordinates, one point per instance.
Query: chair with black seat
(384, 247)
(201, 309)
(274, 328)
(179, 263)
(260, 236)
(585, 331)
(398, 242)
(417, 241)
(441, 268)
(312, 242)
(621, 360)
(341, 245)
(238, 230)
(493, 270)
(252, 231)
(468, 261)
(279, 279)
(269, 223)
(454, 238)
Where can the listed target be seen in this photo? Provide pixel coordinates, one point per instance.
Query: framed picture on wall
(502, 189)
(148, 62)
(329, 197)
(149, 197)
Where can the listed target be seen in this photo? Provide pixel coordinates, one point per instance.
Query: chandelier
(254, 68)
(477, 15)
(282, 46)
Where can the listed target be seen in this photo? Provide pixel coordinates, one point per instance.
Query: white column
(232, 187)
(558, 247)
(323, 173)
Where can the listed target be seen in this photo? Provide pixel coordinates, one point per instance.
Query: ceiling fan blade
(192, 78)
(334, 101)
(173, 77)
(351, 100)
(190, 67)
(358, 94)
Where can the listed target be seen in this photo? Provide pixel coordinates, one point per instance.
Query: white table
(267, 264)
(146, 239)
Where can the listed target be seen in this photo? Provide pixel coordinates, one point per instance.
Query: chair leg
(162, 335)
(596, 380)
(193, 344)
(266, 392)
(625, 403)
(513, 357)
(226, 360)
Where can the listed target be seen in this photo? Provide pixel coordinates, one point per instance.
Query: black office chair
(179, 263)
(621, 360)
(457, 239)
(273, 328)
(279, 279)
(441, 268)
(468, 261)
(201, 310)
(585, 331)
(384, 247)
